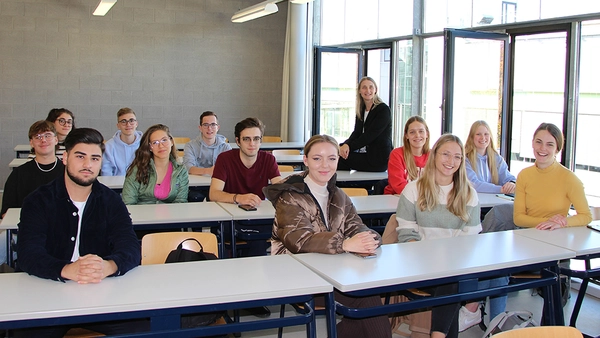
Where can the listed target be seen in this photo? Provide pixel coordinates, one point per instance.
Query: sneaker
(466, 318)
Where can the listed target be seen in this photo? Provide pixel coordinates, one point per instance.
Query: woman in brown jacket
(313, 215)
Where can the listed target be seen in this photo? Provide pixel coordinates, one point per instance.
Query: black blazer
(377, 135)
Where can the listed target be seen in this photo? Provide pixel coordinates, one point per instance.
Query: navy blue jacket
(48, 228)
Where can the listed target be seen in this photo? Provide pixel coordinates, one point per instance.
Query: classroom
(513, 64)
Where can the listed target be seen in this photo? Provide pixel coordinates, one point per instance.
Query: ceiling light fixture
(103, 7)
(254, 12)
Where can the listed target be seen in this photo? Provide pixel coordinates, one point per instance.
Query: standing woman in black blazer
(368, 147)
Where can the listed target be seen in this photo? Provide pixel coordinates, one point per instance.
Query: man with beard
(75, 228)
(55, 242)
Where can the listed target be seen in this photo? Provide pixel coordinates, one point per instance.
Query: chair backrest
(181, 139)
(271, 139)
(277, 152)
(157, 246)
(595, 213)
(356, 191)
(390, 234)
(541, 332)
(285, 168)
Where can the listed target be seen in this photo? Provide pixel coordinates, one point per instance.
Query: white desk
(264, 211)
(17, 162)
(171, 288)
(365, 205)
(290, 159)
(375, 204)
(116, 182)
(152, 216)
(490, 200)
(351, 176)
(586, 244)
(275, 145)
(582, 240)
(22, 150)
(436, 262)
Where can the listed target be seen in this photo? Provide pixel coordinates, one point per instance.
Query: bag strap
(500, 319)
(180, 246)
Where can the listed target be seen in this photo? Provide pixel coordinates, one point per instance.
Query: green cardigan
(135, 192)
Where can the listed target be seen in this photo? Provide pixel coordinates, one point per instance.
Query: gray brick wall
(168, 60)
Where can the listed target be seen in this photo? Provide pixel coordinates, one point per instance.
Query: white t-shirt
(80, 206)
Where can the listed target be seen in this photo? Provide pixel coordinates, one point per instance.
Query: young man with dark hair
(239, 176)
(120, 149)
(75, 228)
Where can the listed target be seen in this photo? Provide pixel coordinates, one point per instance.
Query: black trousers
(360, 162)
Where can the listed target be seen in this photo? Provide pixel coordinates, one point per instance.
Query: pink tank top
(161, 191)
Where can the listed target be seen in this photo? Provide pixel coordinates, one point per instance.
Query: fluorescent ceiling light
(103, 7)
(254, 12)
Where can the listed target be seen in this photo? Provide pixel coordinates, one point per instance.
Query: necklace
(46, 170)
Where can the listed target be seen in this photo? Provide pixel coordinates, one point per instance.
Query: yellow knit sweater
(543, 193)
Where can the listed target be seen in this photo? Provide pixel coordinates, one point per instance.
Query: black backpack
(184, 255)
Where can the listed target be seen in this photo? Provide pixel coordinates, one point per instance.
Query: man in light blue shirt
(201, 153)
(120, 150)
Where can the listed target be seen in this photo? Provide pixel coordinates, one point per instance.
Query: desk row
(23, 150)
(175, 289)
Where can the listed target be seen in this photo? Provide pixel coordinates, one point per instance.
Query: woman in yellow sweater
(546, 191)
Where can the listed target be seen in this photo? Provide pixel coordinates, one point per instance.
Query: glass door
(337, 73)
(475, 82)
(539, 90)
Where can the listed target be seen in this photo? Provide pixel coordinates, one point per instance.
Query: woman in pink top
(155, 176)
(407, 162)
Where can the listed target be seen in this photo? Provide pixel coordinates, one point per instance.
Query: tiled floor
(588, 322)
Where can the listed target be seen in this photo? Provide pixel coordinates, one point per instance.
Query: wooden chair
(541, 332)
(271, 139)
(181, 139)
(278, 152)
(283, 168)
(156, 246)
(355, 191)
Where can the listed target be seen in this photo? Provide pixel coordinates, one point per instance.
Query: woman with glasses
(313, 215)
(486, 169)
(368, 147)
(407, 162)
(440, 204)
(64, 122)
(154, 175)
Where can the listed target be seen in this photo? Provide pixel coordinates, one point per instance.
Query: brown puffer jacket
(299, 225)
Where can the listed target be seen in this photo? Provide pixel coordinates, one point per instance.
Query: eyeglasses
(210, 125)
(256, 139)
(130, 121)
(448, 156)
(64, 122)
(41, 137)
(165, 142)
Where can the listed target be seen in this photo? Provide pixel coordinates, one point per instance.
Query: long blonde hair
(360, 103)
(460, 194)
(411, 166)
(490, 151)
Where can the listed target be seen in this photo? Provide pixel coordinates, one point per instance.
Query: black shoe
(260, 312)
